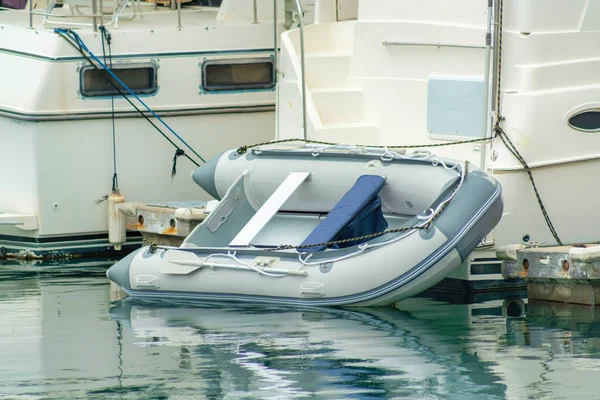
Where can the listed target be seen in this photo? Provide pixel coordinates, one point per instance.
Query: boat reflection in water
(426, 348)
(61, 337)
(292, 353)
(501, 348)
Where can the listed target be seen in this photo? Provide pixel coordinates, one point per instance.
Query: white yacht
(204, 76)
(398, 72)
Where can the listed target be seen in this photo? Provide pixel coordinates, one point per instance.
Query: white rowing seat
(113, 9)
(269, 209)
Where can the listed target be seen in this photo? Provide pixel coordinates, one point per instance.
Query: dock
(165, 224)
(568, 274)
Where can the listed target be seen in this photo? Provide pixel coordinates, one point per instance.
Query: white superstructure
(187, 63)
(399, 72)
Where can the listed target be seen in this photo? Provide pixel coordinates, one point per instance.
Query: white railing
(303, 78)
(432, 44)
(487, 104)
(98, 16)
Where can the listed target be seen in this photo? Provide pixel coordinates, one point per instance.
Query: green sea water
(61, 337)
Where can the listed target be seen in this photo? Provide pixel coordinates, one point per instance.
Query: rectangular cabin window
(141, 79)
(237, 75)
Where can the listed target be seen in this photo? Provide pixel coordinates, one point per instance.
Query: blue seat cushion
(369, 220)
(356, 214)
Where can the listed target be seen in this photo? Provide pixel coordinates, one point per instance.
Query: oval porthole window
(586, 121)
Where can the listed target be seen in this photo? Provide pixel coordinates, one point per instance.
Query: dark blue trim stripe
(58, 239)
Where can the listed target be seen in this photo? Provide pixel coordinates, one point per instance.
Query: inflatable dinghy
(321, 226)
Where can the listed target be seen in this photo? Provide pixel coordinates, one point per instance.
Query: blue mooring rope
(81, 44)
